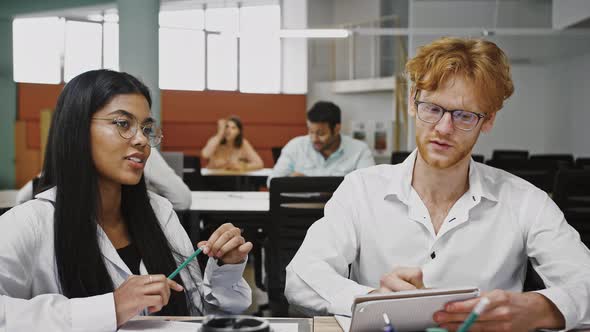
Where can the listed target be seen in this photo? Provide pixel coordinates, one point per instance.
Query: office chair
(398, 157)
(510, 154)
(565, 160)
(572, 189)
(193, 179)
(478, 157)
(583, 163)
(276, 153)
(539, 172)
(295, 204)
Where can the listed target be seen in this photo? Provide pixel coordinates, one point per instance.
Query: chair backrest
(478, 157)
(572, 188)
(397, 157)
(295, 204)
(541, 173)
(175, 160)
(192, 177)
(583, 163)
(510, 154)
(276, 152)
(566, 160)
(579, 218)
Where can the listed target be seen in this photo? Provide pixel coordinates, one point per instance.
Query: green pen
(185, 263)
(479, 308)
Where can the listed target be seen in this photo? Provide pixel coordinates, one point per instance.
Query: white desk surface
(221, 172)
(254, 201)
(7, 198)
(234, 201)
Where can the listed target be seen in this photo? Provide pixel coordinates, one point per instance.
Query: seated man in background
(440, 219)
(324, 152)
(159, 178)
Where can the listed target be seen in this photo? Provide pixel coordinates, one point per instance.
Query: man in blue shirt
(324, 152)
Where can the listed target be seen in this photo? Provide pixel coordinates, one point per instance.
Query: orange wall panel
(32, 98)
(208, 106)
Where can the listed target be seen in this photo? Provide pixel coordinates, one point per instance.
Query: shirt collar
(48, 194)
(400, 183)
(338, 151)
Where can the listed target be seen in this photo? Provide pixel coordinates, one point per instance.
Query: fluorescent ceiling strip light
(313, 33)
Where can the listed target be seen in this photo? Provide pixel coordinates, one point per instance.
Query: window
(260, 49)
(42, 45)
(83, 48)
(242, 48)
(37, 49)
(215, 48)
(181, 54)
(222, 48)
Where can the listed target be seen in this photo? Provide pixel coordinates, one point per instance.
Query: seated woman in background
(228, 149)
(94, 250)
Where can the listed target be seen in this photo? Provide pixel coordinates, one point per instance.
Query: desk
(220, 179)
(317, 324)
(265, 172)
(326, 324)
(231, 202)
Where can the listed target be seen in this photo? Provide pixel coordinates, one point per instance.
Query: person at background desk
(94, 251)
(440, 219)
(324, 151)
(159, 178)
(229, 150)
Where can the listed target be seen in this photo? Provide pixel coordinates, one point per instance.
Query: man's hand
(507, 311)
(401, 279)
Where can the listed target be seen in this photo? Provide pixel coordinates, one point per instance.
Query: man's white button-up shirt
(376, 221)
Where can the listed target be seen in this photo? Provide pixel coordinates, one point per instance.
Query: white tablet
(407, 310)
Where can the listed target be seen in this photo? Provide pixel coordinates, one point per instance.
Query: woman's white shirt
(30, 294)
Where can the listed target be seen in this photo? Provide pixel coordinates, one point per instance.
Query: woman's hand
(140, 292)
(227, 244)
(221, 126)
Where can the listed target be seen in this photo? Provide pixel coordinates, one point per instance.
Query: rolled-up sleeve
(225, 288)
(562, 261)
(317, 275)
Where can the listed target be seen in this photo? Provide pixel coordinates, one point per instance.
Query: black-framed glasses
(432, 113)
(127, 126)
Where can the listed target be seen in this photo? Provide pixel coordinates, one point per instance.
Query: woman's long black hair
(69, 166)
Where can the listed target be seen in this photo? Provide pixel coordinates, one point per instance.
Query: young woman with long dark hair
(228, 149)
(95, 249)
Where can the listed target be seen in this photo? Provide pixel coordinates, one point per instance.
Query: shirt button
(433, 255)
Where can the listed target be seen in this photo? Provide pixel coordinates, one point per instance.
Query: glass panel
(182, 19)
(260, 49)
(182, 59)
(37, 49)
(222, 48)
(111, 46)
(83, 48)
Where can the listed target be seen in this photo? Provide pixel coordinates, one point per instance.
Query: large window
(242, 49)
(52, 49)
(37, 49)
(223, 48)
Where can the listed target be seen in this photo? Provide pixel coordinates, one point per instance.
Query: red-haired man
(440, 219)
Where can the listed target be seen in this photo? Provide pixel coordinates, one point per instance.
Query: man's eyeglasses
(432, 113)
(127, 126)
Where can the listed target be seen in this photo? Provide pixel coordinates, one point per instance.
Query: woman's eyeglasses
(127, 126)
